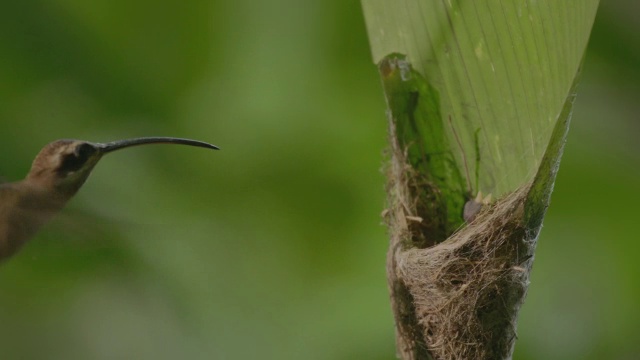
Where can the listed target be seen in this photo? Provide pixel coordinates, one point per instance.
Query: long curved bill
(121, 144)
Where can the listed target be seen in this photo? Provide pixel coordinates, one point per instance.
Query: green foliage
(414, 106)
(503, 70)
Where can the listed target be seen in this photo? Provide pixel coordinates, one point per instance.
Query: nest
(458, 299)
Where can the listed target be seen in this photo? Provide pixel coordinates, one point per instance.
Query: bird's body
(23, 210)
(57, 173)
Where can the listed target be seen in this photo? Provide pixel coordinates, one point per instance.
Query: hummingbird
(57, 173)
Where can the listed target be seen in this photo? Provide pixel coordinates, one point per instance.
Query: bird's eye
(74, 161)
(83, 151)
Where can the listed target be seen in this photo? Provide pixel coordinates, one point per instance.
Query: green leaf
(437, 184)
(500, 71)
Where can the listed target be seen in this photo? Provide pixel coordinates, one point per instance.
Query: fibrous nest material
(458, 299)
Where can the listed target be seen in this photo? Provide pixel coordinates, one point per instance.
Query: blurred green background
(273, 248)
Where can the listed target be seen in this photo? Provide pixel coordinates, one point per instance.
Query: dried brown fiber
(458, 299)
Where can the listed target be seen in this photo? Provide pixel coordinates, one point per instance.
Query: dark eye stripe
(83, 151)
(75, 160)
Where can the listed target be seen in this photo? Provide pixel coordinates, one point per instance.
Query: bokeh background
(273, 248)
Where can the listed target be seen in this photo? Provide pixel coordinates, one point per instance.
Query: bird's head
(64, 165)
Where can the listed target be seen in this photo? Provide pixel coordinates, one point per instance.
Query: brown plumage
(57, 173)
